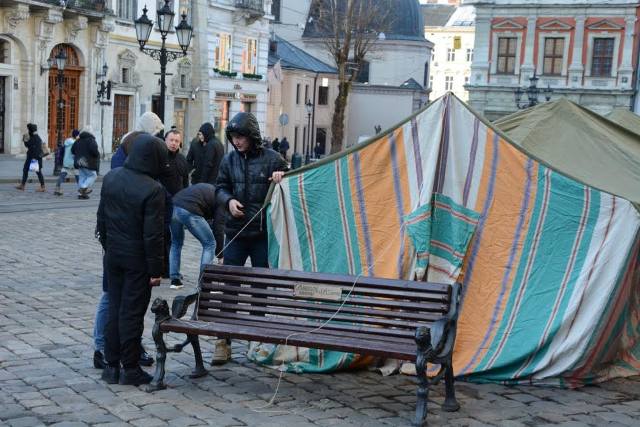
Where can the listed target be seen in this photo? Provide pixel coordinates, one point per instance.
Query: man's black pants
(129, 296)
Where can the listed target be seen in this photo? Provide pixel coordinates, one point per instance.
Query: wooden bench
(400, 319)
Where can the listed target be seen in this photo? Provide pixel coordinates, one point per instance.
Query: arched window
(5, 57)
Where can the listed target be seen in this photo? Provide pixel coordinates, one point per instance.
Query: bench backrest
(393, 308)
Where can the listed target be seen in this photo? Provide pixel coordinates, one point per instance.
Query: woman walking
(34, 152)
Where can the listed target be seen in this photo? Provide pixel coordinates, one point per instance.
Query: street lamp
(309, 107)
(103, 98)
(164, 22)
(532, 93)
(61, 62)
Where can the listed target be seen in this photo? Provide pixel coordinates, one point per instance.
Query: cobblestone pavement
(49, 286)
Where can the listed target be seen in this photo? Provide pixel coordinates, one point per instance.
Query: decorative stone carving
(18, 14)
(74, 27)
(127, 59)
(184, 67)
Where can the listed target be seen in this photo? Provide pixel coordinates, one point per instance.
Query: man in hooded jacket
(243, 182)
(205, 155)
(131, 230)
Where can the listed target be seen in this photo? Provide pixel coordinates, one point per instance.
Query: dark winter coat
(245, 177)
(176, 176)
(132, 207)
(34, 143)
(199, 199)
(86, 148)
(205, 159)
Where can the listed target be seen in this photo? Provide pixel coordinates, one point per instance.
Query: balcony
(251, 10)
(88, 5)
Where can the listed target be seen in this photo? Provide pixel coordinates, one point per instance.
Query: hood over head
(245, 124)
(32, 127)
(148, 155)
(150, 123)
(208, 131)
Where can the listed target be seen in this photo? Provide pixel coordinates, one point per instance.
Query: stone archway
(68, 119)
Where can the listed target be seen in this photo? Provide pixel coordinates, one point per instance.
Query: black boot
(134, 376)
(111, 374)
(98, 360)
(145, 358)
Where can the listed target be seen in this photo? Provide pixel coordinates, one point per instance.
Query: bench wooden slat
(323, 278)
(315, 306)
(392, 333)
(357, 291)
(276, 336)
(211, 290)
(371, 320)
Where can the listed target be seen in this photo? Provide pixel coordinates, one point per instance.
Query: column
(576, 68)
(625, 71)
(480, 65)
(528, 66)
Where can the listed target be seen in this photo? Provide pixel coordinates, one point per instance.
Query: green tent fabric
(580, 143)
(625, 118)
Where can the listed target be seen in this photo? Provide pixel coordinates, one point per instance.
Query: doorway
(65, 118)
(120, 118)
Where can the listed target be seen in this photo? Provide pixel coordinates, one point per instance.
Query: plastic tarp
(581, 143)
(625, 118)
(550, 272)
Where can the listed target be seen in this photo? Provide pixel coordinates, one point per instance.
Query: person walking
(243, 182)
(130, 228)
(86, 159)
(67, 163)
(205, 155)
(284, 147)
(193, 207)
(34, 153)
(275, 145)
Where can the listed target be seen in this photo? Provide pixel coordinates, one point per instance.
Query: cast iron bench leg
(423, 341)
(161, 310)
(199, 370)
(450, 403)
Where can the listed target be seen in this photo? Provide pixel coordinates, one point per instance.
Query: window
(506, 55)
(304, 138)
(306, 93)
(275, 10)
(469, 55)
(430, 81)
(298, 94)
(323, 95)
(4, 52)
(426, 73)
(221, 118)
(246, 107)
(295, 139)
(125, 76)
(466, 80)
(448, 83)
(183, 81)
(321, 142)
(433, 55)
(250, 56)
(553, 53)
(451, 55)
(363, 72)
(127, 9)
(223, 52)
(602, 58)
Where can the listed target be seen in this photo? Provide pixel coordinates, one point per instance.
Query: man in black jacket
(192, 208)
(243, 182)
(177, 173)
(34, 152)
(86, 160)
(130, 227)
(205, 155)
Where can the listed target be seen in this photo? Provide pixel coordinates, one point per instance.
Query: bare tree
(349, 29)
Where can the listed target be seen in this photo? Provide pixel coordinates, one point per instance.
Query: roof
(436, 15)
(405, 21)
(292, 57)
(411, 84)
(625, 118)
(580, 143)
(464, 16)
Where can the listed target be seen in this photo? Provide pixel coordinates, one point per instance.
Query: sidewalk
(11, 169)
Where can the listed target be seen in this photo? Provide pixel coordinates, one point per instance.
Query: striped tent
(550, 266)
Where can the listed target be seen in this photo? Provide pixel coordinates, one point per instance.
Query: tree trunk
(337, 123)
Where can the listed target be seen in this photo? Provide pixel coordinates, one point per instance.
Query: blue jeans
(200, 229)
(102, 315)
(87, 177)
(237, 252)
(63, 176)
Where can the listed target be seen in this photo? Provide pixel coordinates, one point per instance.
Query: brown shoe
(20, 187)
(41, 189)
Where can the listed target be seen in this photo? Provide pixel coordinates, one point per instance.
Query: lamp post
(184, 32)
(103, 98)
(309, 107)
(532, 93)
(61, 62)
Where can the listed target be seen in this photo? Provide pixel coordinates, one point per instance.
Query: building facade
(586, 51)
(452, 52)
(32, 33)
(302, 94)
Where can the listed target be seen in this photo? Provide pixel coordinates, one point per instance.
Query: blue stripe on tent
(296, 207)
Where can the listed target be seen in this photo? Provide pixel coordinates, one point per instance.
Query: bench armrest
(181, 304)
(443, 330)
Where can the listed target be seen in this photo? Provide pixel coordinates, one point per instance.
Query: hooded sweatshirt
(205, 157)
(132, 207)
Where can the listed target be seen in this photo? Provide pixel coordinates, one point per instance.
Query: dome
(405, 22)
